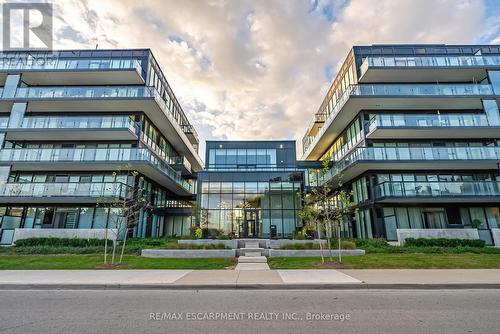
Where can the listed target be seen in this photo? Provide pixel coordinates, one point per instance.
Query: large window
(227, 205)
(242, 158)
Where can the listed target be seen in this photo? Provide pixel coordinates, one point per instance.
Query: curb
(232, 286)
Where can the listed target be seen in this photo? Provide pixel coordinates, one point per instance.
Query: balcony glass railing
(98, 189)
(437, 189)
(77, 122)
(23, 63)
(100, 92)
(105, 92)
(393, 90)
(425, 61)
(427, 120)
(409, 154)
(116, 155)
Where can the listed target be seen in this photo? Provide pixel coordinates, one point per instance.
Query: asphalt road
(250, 311)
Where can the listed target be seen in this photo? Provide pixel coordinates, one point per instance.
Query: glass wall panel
(86, 216)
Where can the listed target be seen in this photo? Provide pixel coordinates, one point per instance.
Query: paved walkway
(250, 278)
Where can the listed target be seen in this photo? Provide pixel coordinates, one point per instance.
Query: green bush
(374, 243)
(298, 236)
(346, 244)
(60, 242)
(302, 245)
(50, 250)
(442, 242)
(432, 250)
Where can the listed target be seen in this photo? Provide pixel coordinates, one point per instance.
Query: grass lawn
(94, 261)
(395, 261)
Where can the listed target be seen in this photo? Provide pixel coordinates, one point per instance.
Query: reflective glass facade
(251, 189)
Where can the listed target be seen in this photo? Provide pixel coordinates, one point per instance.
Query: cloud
(260, 69)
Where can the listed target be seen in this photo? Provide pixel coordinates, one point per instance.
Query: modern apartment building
(414, 132)
(86, 127)
(251, 189)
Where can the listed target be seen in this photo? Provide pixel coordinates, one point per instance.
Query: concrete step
(252, 259)
(252, 266)
(252, 244)
(252, 253)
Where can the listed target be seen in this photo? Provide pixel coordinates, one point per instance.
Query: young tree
(129, 202)
(310, 214)
(332, 203)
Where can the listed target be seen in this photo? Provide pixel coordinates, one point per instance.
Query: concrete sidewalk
(264, 279)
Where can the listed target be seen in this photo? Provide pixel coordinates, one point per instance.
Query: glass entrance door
(250, 228)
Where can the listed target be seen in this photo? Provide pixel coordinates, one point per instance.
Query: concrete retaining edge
(251, 286)
(188, 253)
(313, 252)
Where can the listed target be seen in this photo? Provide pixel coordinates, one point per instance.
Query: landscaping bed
(95, 261)
(393, 261)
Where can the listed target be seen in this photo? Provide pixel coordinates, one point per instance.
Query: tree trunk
(320, 243)
(114, 251)
(123, 246)
(340, 245)
(106, 245)
(329, 239)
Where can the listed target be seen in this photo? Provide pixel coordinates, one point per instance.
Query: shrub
(60, 242)
(442, 242)
(298, 236)
(346, 244)
(374, 243)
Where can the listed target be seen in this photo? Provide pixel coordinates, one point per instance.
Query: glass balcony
(395, 90)
(99, 92)
(4, 122)
(26, 64)
(188, 129)
(437, 189)
(427, 120)
(105, 92)
(425, 61)
(116, 190)
(79, 122)
(409, 154)
(422, 90)
(114, 155)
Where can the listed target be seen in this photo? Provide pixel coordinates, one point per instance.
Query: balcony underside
(357, 103)
(422, 74)
(433, 132)
(142, 167)
(70, 134)
(55, 199)
(362, 166)
(120, 105)
(439, 199)
(76, 77)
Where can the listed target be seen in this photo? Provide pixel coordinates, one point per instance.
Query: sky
(259, 69)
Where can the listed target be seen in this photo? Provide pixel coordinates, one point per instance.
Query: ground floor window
(430, 217)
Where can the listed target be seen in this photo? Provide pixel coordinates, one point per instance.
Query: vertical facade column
(492, 112)
(17, 114)
(11, 83)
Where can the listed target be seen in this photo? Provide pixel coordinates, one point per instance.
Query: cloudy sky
(259, 69)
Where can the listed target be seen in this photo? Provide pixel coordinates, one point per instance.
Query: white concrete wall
(23, 233)
(447, 233)
(495, 232)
